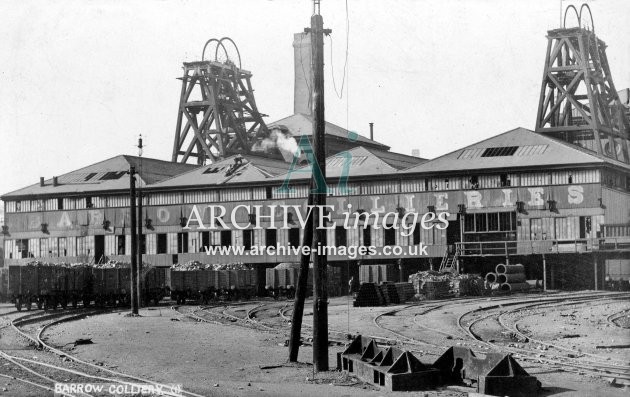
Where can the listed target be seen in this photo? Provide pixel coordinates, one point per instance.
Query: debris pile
(468, 285)
(434, 285)
(112, 264)
(196, 265)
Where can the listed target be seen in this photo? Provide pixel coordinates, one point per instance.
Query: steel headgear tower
(578, 100)
(217, 114)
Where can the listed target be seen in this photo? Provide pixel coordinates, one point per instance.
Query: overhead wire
(339, 93)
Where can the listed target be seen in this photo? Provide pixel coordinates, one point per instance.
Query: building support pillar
(544, 280)
(595, 271)
(552, 277)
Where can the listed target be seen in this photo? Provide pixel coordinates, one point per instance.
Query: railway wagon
(156, 284)
(49, 286)
(24, 286)
(110, 287)
(282, 280)
(205, 285)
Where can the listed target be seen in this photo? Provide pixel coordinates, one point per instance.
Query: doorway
(99, 248)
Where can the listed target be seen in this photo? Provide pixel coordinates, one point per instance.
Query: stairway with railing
(449, 261)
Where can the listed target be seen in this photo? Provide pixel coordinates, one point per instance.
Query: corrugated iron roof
(532, 150)
(362, 162)
(251, 169)
(110, 174)
(301, 124)
(397, 160)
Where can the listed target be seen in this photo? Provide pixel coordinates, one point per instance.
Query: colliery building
(555, 198)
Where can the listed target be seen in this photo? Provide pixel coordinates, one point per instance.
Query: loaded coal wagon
(156, 284)
(282, 280)
(111, 287)
(203, 283)
(47, 285)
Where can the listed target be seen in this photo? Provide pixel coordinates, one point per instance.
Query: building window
(226, 238)
(416, 234)
(142, 242)
(182, 243)
(536, 229)
(505, 180)
(507, 221)
(18, 206)
(162, 245)
(22, 248)
(205, 240)
(481, 224)
(389, 236)
(88, 202)
(248, 239)
(271, 237)
(120, 244)
(469, 223)
(367, 236)
(269, 192)
(341, 236)
(493, 222)
(474, 182)
(294, 237)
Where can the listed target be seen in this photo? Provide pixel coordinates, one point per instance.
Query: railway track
(44, 372)
(575, 363)
(612, 319)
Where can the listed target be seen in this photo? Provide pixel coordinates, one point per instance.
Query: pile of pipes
(508, 278)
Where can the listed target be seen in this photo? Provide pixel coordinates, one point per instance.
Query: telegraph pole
(320, 276)
(300, 290)
(139, 265)
(313, 235)
(134, 248)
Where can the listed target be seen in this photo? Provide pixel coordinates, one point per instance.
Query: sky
(79, 80)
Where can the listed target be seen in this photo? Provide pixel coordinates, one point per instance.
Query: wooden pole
(134, 248)
(302, 285)
(544, 273)
(320, 293)
(139, 265)
(595, 269)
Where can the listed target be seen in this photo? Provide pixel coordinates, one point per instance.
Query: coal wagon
(282, 280)
(204, 285)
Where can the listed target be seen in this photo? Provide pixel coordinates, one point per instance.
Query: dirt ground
(234, 359)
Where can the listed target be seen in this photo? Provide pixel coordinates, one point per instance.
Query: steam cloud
(277, 139)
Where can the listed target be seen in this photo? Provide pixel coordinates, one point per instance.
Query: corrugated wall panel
(617, 206)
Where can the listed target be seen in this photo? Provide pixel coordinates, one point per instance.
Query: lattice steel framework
(578, 100)
(217, 114)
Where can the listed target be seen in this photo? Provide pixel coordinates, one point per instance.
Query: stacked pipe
(511, 277)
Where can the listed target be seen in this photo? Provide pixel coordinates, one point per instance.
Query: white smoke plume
(285, 143)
